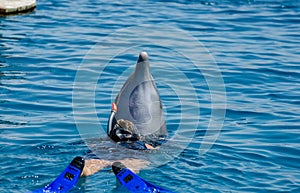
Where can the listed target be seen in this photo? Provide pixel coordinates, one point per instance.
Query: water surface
(256, 45)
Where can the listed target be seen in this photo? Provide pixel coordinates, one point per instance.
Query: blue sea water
(242, 97)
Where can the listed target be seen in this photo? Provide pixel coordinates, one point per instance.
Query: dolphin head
(143, 57)
(142, 68)
(139, 102)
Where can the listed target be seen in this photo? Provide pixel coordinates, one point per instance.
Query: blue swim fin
(66, 180)
(133, 183)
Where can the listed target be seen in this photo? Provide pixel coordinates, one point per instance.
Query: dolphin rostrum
(139, 102)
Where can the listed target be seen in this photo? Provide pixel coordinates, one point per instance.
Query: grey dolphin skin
(139, 102)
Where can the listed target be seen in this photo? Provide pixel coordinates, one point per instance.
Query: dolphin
(139, 102)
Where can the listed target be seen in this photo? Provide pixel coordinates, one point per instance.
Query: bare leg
(92, 166)
(135, 164)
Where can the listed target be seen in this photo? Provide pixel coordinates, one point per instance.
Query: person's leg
(134, 164)
(92, 166)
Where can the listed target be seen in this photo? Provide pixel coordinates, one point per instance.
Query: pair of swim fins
(68, 179)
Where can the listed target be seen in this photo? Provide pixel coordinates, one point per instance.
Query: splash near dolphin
(139, 104)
